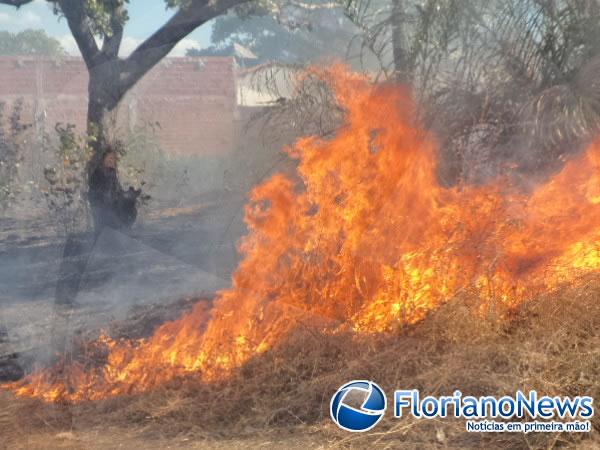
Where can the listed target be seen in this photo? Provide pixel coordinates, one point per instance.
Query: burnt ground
(169, 256)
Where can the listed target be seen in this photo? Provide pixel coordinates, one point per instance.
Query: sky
(145, 17)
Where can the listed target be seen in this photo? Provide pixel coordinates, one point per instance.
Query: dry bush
(551, 344)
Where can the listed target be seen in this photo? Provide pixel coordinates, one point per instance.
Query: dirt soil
(114, 438)
(170, 256)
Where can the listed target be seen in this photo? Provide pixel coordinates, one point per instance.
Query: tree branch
(112, 43)
(15, 3)
(77, 19)
(160, 44)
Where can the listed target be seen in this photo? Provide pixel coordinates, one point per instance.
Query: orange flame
(364, 236)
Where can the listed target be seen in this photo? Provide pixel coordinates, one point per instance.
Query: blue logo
(353, 419)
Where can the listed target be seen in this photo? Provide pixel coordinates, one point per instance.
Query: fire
(363, 236)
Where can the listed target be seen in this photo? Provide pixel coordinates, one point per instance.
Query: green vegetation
(29, 42)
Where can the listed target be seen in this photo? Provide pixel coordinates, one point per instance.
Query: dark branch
(16, 3)
(77, 19)
(157, 46)
(112, 43)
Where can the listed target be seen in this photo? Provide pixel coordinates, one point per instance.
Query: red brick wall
(192, 99)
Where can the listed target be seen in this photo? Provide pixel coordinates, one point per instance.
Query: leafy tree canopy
(105, 14)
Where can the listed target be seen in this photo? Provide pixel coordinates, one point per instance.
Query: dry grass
(281, 398)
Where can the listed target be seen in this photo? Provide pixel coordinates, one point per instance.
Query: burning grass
(364, 237)
(551, 344)
(364, 266)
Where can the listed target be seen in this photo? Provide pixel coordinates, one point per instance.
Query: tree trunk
(104, 93)
(104, 97)
(96, 123)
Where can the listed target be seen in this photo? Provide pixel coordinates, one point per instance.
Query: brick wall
(192, 99)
